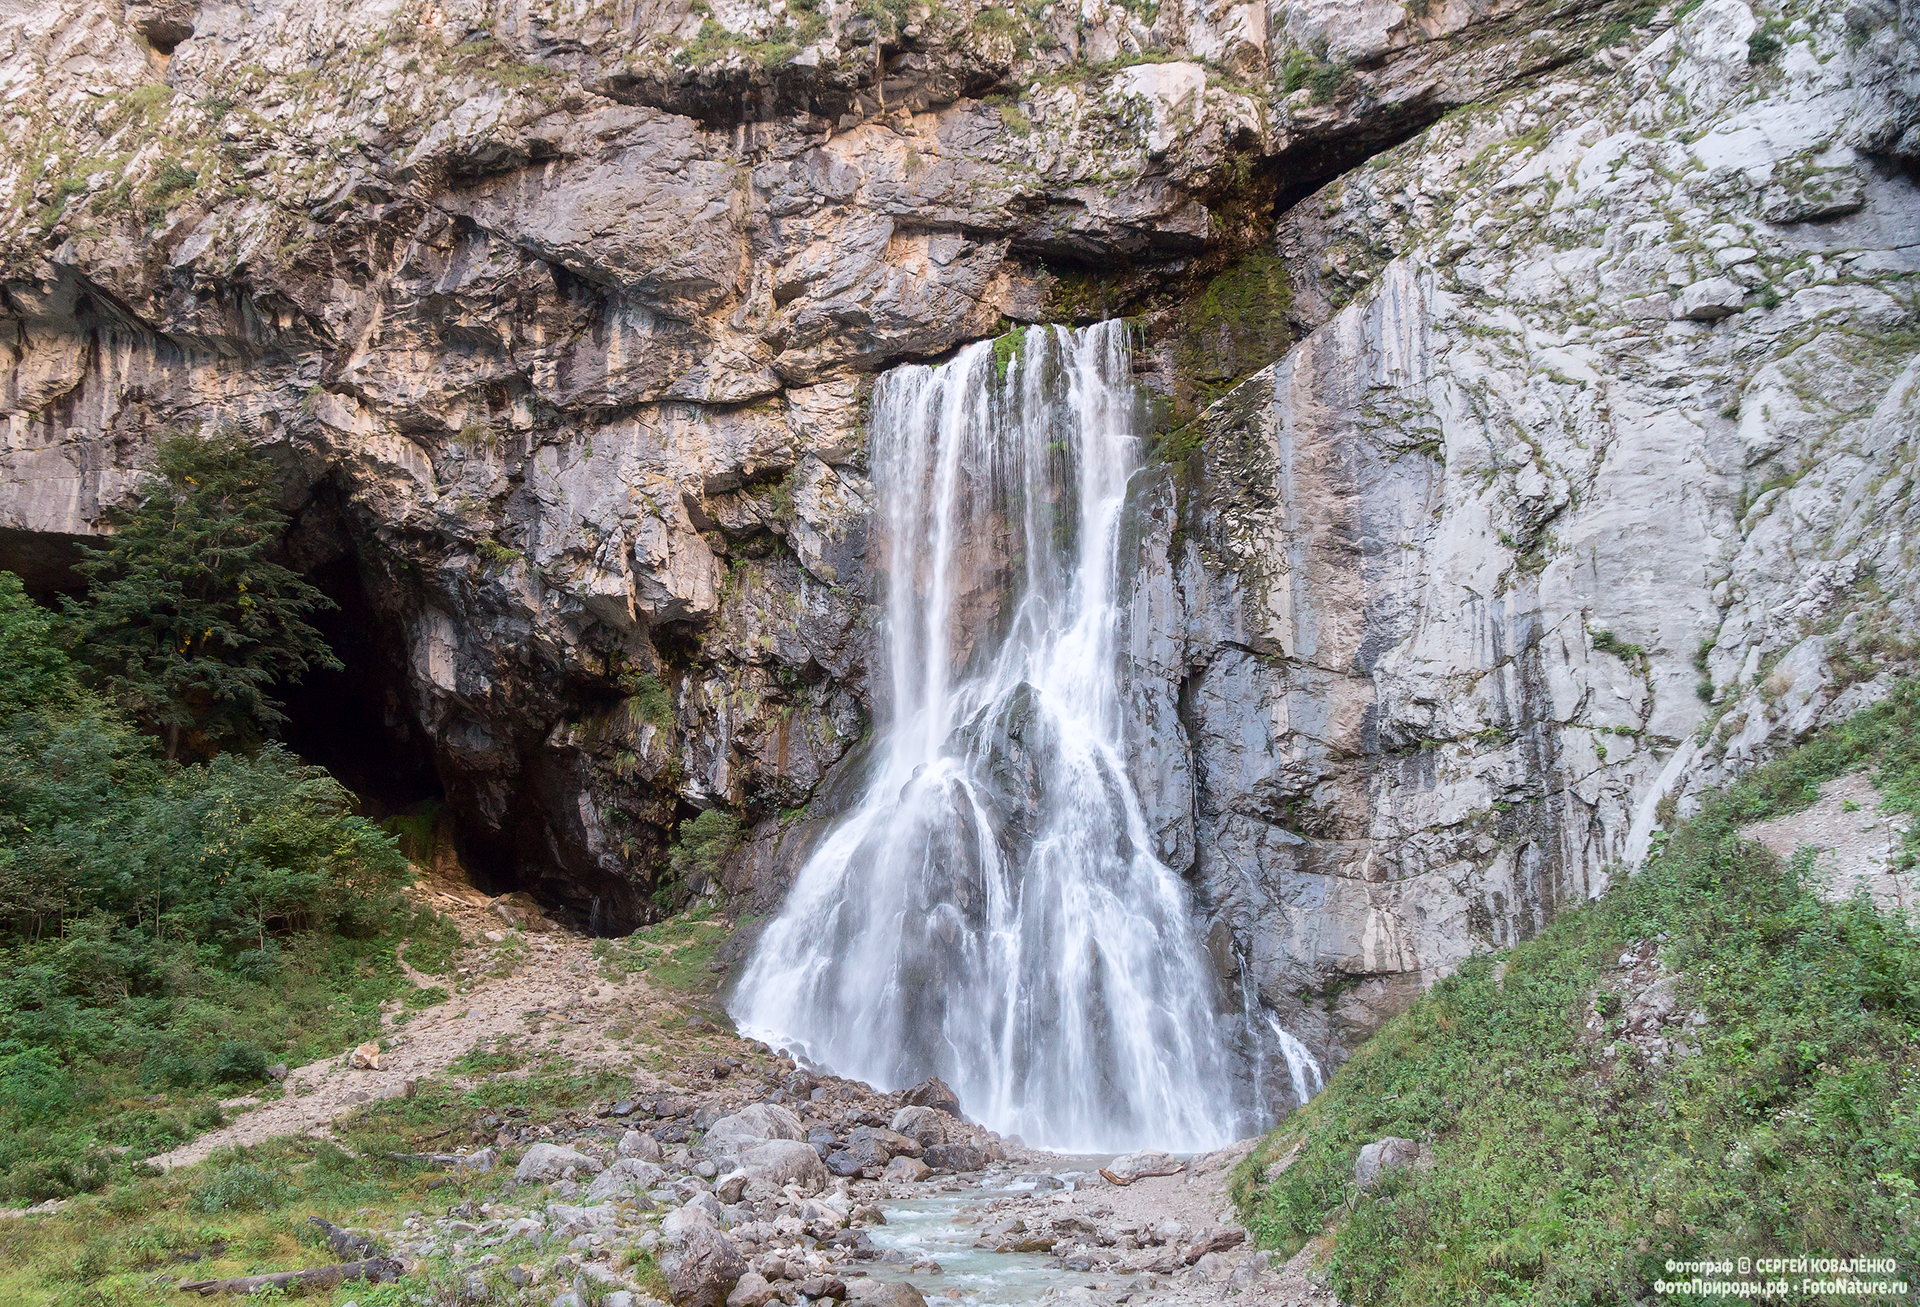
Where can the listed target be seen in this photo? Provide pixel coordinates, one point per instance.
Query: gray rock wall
(1600, 486)
(561, 321)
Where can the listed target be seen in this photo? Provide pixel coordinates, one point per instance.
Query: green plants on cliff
(1562, 1168)
(704, 844)
(1321, 76)
(1236, 325)
(647, 701)
(1006, 348)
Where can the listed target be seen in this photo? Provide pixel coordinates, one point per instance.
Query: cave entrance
(358, 722)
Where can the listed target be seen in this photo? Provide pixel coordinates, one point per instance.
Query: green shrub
(705, 843)
(1562, 1174)
(33, 1084)
(241, 1187)
(237, 1063)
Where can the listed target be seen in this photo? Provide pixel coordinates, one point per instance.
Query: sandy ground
(1853, 848)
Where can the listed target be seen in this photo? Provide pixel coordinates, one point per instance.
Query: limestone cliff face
(561, 318)
(1599, 486)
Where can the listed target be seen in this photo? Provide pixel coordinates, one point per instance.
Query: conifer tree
(188, 621)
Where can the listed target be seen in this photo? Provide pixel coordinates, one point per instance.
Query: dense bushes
(165, 928)
(1559, 1176)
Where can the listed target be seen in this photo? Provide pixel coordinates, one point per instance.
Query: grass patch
(675, 954)
(1561, 1177)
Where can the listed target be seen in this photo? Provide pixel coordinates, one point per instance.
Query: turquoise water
(927, 1229)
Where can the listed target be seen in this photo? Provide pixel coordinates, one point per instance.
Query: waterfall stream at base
(991, 911)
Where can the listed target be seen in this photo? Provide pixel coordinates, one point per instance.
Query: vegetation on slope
(247, 1211)
(1556, 1174)
(168, 930)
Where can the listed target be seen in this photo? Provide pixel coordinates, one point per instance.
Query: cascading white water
(991, 911)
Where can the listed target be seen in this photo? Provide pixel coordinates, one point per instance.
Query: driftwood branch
(373, 1270)
(1124, 1181)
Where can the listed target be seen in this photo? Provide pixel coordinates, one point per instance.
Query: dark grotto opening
(511, 827)
(357, 722)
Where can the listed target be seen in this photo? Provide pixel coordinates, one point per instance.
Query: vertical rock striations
(1590, 477)
(1599, 483)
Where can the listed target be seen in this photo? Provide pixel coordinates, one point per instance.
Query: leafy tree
(34, 671)
(189, 621)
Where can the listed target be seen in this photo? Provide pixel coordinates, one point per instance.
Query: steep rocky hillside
(1577, 472)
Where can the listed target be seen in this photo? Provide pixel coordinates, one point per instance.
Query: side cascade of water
(991, 911)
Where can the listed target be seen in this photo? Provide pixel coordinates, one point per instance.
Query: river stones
(954, 1157)
(924, 1125)
(780, 1162)
(753, 1124)
(701, 1265)
(906, 1170)
(645, 1147)
(870, 1293)
(626, 1178)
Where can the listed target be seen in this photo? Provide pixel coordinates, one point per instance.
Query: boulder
(545, 1163)
(701, 1209)
(1382, 1156)
(755, 1124)
(933, 1092)
(701, 1265)
(484, 1159)
(955, 1157)
(643, 1146)
(566, 1220)
(752, 1290)
(628, 1177)
(871, 1293)
(923, 1125)
(893, 1141)
(907, 1170)
(780, 1162)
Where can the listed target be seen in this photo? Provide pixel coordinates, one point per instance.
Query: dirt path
(553, 993)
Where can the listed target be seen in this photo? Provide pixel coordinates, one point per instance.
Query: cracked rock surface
(1574, 472)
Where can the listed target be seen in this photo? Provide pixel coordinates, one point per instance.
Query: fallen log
(345, 1243)
(1125, 1180)
(1216, 1242)
(374, 1270)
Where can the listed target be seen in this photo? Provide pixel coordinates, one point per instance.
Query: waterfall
(991, 911)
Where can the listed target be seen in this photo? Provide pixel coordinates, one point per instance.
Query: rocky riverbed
(802, 1189)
